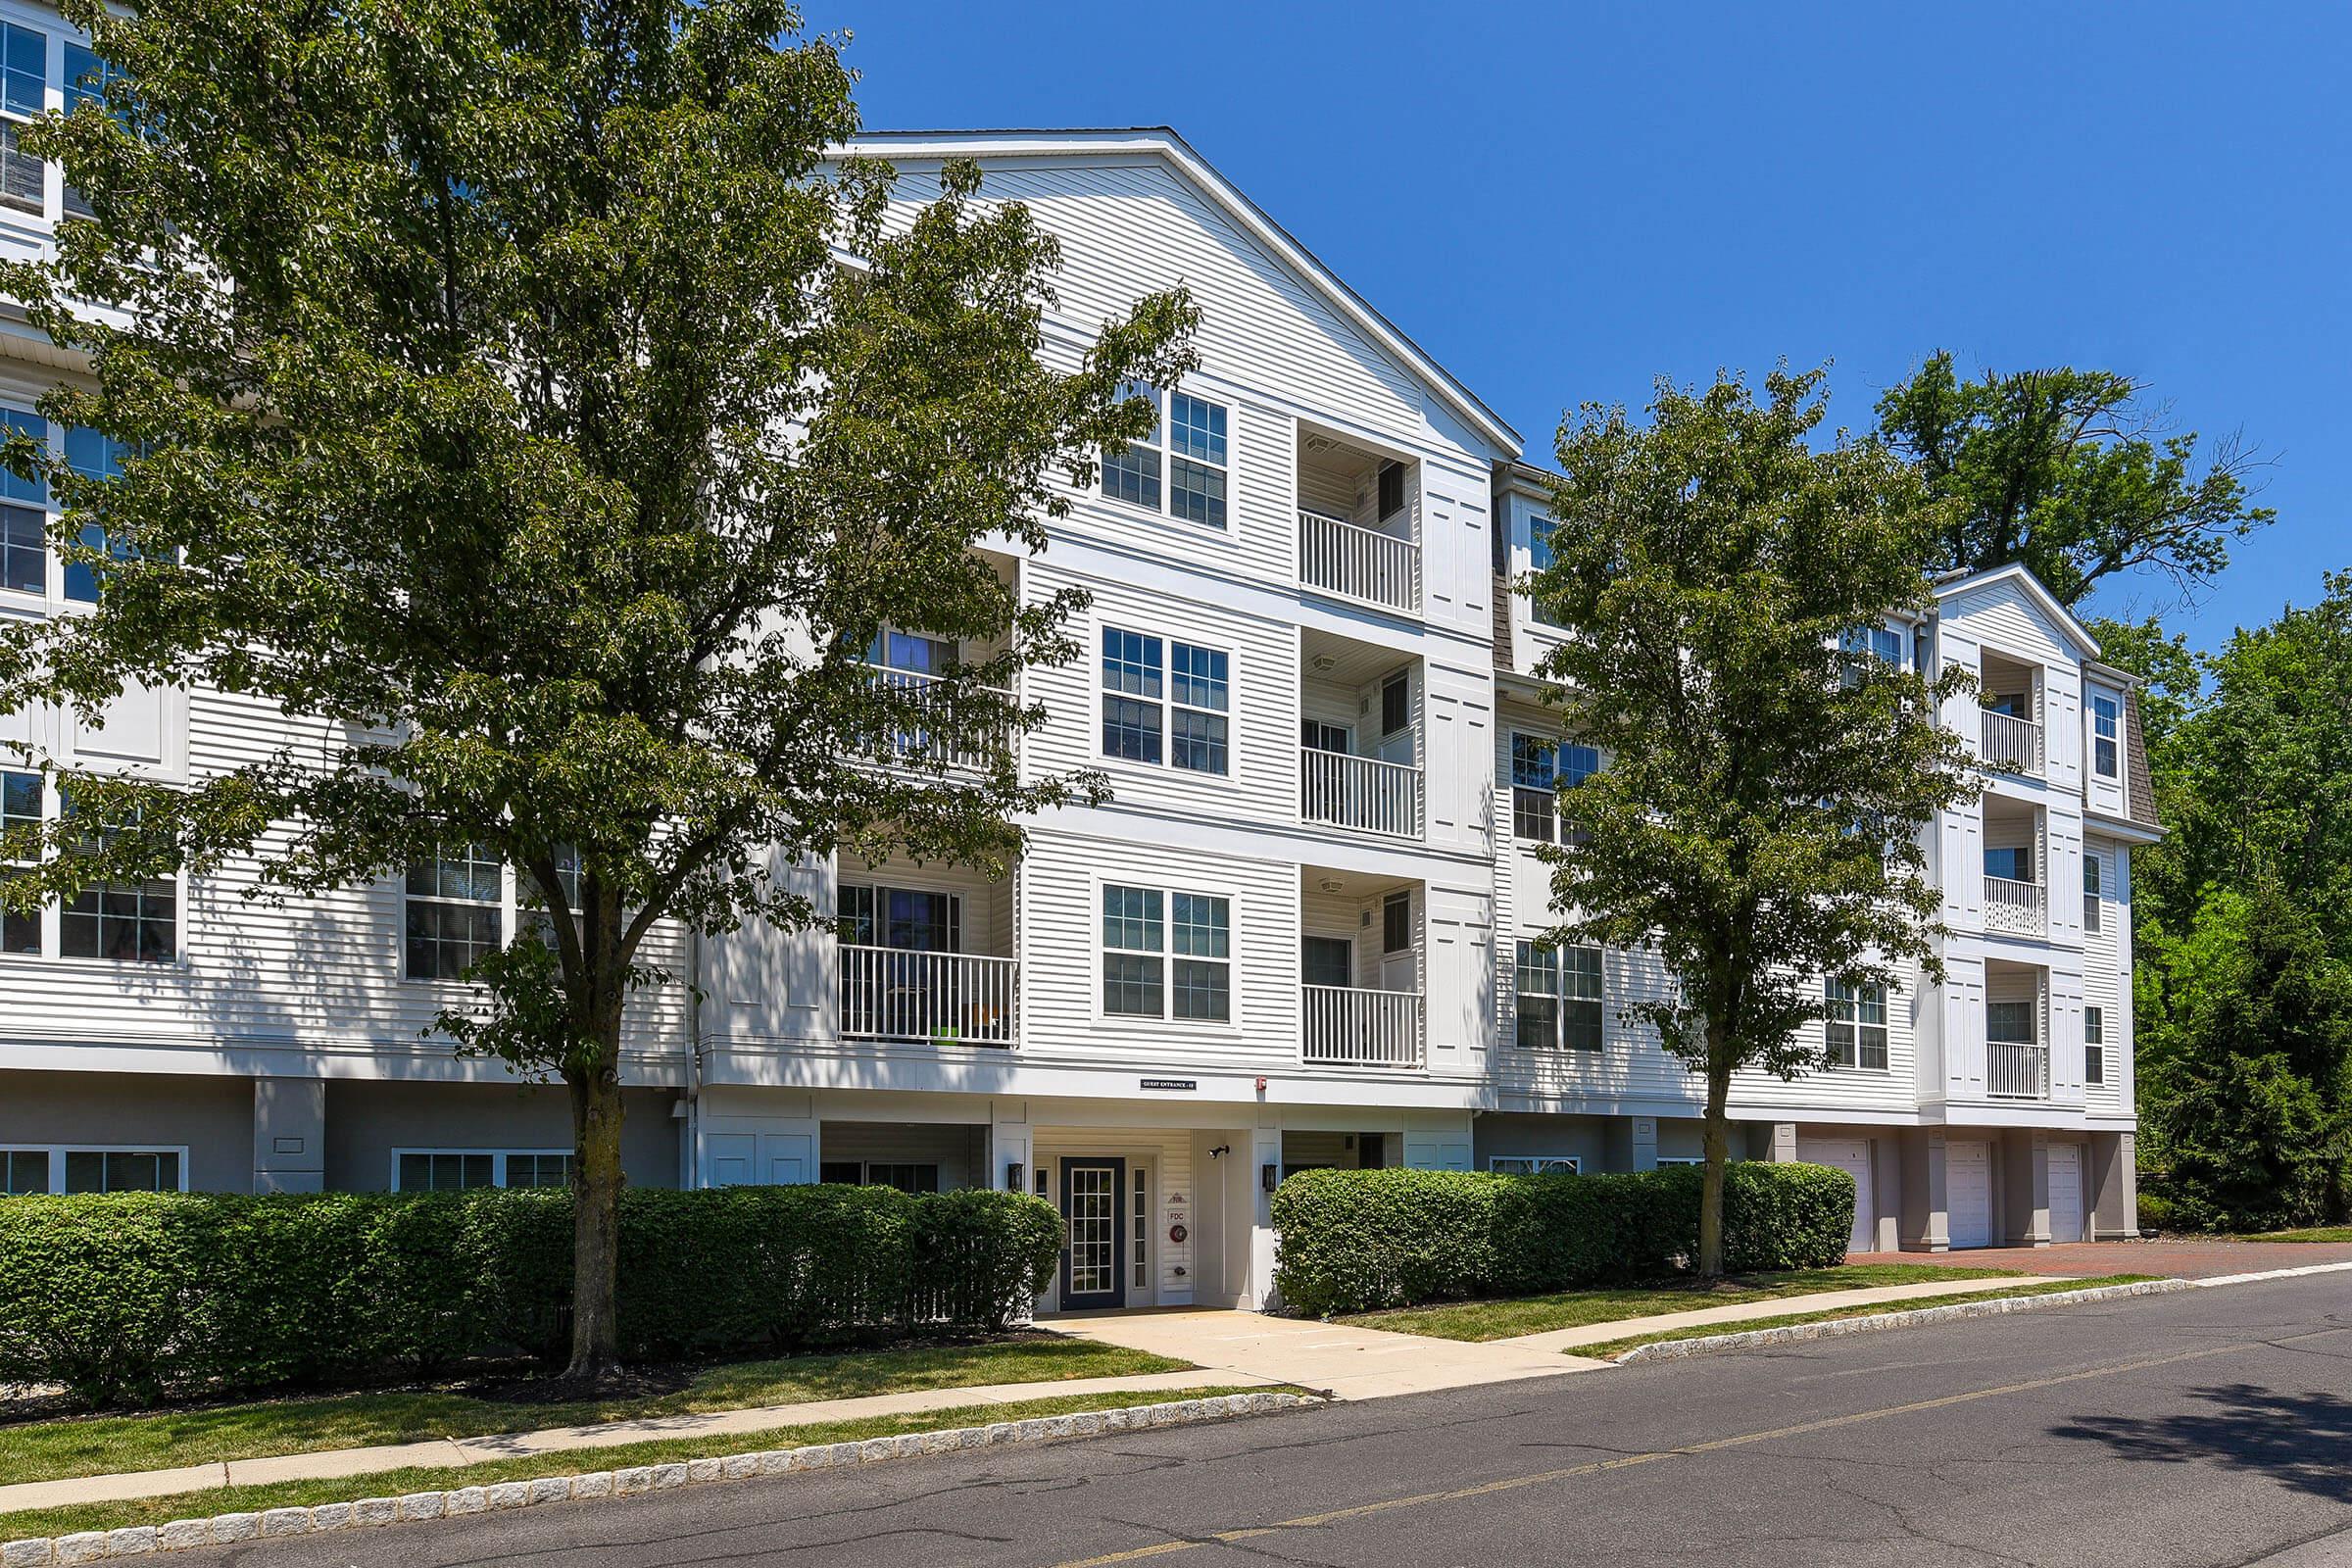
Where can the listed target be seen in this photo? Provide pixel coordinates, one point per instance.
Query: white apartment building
(1292, 938)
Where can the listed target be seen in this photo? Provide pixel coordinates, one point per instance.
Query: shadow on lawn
(2302, 1440)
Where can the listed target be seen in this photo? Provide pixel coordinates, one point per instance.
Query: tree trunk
(1718, 1149)
(595, 1225)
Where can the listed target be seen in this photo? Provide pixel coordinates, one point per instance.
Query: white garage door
(1851, 1155)
(1968, 1187)
(2066, 1192)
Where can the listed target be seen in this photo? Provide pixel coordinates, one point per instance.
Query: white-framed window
(23, 511)
(1183, 469)
(1538, 559)
(2094, 1044)
(27, 1169)
(1539, 767)
(86, 78)
(120, 922)
(1884, 643)
(906, 1175)
(23, 97)
(456, 1170)
(1166, 954)
(1166, 701)
(1534, 1164)
(1397, 923)
(20, 792)
(100, 458)
(2011, 1023)
(1139, 1230)
(455, 910)
(2094, 912)
(1856, 1029)
(1559, 992)
(2106, 731)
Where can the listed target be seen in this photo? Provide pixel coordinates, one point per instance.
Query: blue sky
(1563, 202)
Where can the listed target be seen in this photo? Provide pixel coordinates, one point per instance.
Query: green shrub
(1355, 1240)
(129, 1297)
(2156, 1213)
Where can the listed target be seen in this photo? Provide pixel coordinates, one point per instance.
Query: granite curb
(232, 1529)
(1921, 1317)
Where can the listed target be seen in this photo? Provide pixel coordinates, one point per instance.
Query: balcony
(2017, 1070)
(2015, 908)
(946, 999)
(1349, 1027)
(1359, 792)
(1364, 564)
(2010, 745)
(914, 744)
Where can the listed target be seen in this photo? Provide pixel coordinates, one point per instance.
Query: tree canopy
(528, 399)
(1767, 765)
(2071, 473)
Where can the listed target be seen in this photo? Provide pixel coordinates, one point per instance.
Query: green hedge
(1355, 1239)
(129, 1297)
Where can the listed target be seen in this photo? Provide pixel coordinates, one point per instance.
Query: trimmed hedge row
(1352, 1240)
(127, 1296)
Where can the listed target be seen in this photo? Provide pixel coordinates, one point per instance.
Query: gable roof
(2043, 599)
(1162, 143)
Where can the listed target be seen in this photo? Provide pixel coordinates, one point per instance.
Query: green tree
(2070, 472)
(518, 396)
(1757, 822)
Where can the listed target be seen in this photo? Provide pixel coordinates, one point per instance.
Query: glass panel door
(1095, 1223)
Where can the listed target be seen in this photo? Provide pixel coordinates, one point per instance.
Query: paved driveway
(2189, 1259)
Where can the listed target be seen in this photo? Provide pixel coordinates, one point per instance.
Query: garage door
(2066, 1192)
(1968, 1187)
(1851, 1155)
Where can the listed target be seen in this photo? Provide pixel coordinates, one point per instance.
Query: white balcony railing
(2014, 1070)
(2011, 745)
(1361, 563)
(948, 999)
(1343, 1026)
(1361, 792)
(2015, 908)
(916, 743)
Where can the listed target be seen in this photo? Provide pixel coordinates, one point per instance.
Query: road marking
(1714, 1445)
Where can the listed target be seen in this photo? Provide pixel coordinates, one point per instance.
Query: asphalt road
(2205, 1428)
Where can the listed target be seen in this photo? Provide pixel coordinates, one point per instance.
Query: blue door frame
(1071, 1299)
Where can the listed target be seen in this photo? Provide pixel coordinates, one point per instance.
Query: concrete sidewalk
(1344, 1359)
(437, 1452)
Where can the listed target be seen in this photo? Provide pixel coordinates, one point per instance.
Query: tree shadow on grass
(2302, 1440)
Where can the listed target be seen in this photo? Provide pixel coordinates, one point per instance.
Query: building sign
(1167, 1083)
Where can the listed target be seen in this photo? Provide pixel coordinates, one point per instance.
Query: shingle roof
(2139, 785)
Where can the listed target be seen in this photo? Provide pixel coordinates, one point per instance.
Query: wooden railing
(948, 999)
(1361, 792)
(2014, 907)
(1357, 563)
(2011, 745)
(1344, 1026)
(913, 742)
(2014, 1070)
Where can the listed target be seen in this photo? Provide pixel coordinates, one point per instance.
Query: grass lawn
(1513, 1317)
(1614, 1347)
(99, 1445)
(393, 1482)
(2321, 1233)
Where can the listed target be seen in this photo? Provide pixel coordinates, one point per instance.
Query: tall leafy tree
(1767, 775)
(2070, 472)
(518, 397)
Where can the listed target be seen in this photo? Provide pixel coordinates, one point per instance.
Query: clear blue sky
(1562, 202)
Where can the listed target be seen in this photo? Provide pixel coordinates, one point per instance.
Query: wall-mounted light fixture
(1012, 1175)
(1269, 1177)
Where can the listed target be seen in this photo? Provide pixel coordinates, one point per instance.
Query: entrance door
(1094, 1233)
(2066, 1192)
(1851, 1155)
(1968, 1187)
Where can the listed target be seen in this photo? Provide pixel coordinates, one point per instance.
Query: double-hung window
(1856, 1030)
(132, 922)
(1182, 469)
(1166, 954)
(1539, 557)
(24, 514)
(20, 819)
(2094, 903)
(458, 1170)
(1883, 643)
(86, 77)
(2106, 716)
(94, 456)
(1166, 700)
(456, 911)
(2094, 1044)
(1559, 998)
(1539, 767)
(24, 96)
